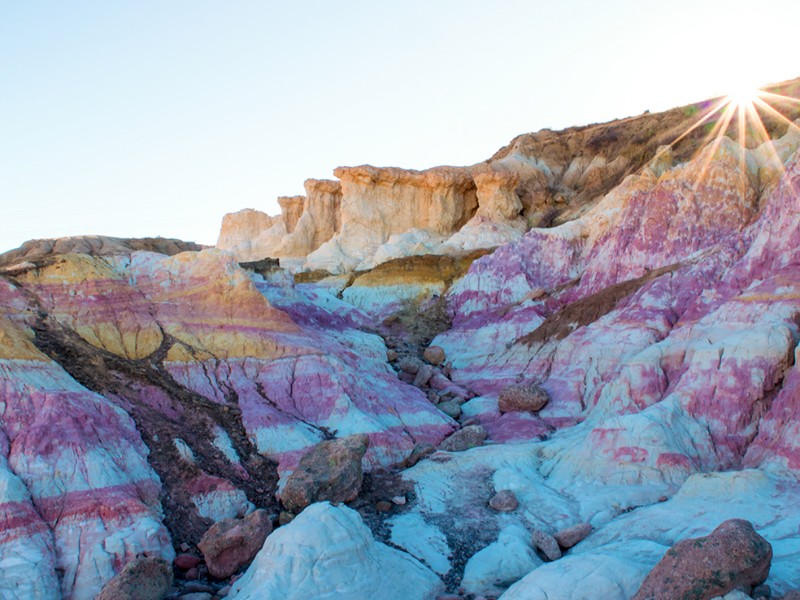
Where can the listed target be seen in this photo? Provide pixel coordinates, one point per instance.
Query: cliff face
(539, 180)
(150, 388)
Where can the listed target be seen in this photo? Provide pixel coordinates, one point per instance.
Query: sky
(154, 118)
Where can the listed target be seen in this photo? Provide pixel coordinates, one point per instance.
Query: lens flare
(740, 115)
(744, 96)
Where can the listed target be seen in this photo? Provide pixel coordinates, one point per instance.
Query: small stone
(196, 586)
(762, 591)
(192, 574)
(399, 500)
(464, 439)
(186, 561)
(433, 397)
(434, 355)
(144, 578)
(383, 506)
(546, 543)
(391, 355)
(196, 596)
(406, 377)
(570, 536)
(224, 591)
(663, 499)
(424, 375)
(409, 365)
(419, 452)
(451, 408)
(185, 547)
(233, 543)
(504, 501)
(285, 518)
(525, 397)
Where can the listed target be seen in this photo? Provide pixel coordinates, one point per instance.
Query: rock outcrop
(327, 551)
(251, 234)
(540, 179)
(320, 220)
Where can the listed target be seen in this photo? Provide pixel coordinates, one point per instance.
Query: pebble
(399, 500)
(196, 596)
(197, 587)
(383, 506)
(186, 561)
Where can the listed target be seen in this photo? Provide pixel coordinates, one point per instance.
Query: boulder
(464, 439)
(731, 556)
(434, 355)
(331, 470)
(144, 578)
(233, 543)
(527, 397)
(570, 536)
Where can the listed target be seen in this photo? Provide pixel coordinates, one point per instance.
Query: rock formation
(617, 379)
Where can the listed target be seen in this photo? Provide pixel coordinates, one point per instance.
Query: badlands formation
(569, 372)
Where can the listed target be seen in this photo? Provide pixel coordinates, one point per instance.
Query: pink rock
(570, 536)
(186, 561)
(464, 439)
(546, 543)
(731, 556)
(410, 365)
(434, 355)
(424, 374)
(528, 397)
(231, 544)
(504, 501)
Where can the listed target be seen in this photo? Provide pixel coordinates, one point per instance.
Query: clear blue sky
(157, 117)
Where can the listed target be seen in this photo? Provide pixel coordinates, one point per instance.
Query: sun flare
(744, 96)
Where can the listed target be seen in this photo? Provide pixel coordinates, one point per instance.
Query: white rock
(422, 540)
(614, 574)
(328, 552)
(492, 570)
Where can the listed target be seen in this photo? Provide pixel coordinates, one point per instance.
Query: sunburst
(743, 109)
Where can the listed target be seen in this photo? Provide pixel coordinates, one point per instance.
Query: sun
(744, 95)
